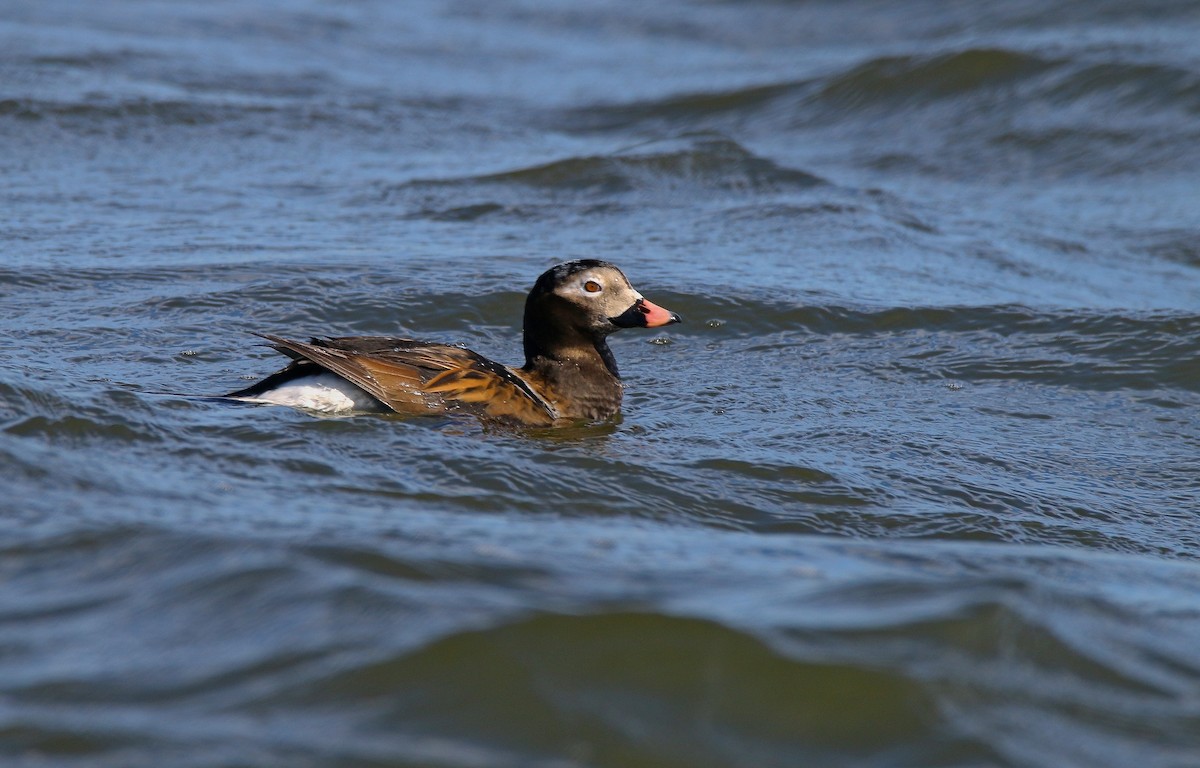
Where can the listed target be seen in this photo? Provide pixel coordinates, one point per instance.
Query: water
(914, 485)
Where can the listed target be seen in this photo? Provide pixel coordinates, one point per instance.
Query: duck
(569, 377)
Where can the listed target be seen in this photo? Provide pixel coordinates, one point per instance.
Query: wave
(678, 170)
(686, 109)
(974, 71)
(906, 81)
(1178, 245)
(999, 110)
(890, 79)
(449, 646)
(876, 83)
(252, 105)
(166, 112)
(699, 164)
(1131, 85)
(692, 681)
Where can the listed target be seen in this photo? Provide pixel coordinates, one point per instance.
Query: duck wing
(412, 376)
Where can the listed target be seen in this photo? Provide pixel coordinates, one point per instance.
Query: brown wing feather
(416, 376)
(398, 392)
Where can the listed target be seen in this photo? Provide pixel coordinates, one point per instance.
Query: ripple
(1091, 349)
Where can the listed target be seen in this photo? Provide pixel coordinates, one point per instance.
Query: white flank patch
(322, 392)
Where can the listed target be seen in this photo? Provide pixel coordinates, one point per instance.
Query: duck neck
(579, 376)
(574, 350)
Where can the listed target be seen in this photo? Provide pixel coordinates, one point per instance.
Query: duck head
(575, 305)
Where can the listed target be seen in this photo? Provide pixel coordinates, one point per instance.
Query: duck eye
(591, 286)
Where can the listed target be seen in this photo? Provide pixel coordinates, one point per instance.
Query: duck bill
(645, 314)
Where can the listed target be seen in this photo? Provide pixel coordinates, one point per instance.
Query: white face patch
(599, 286)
